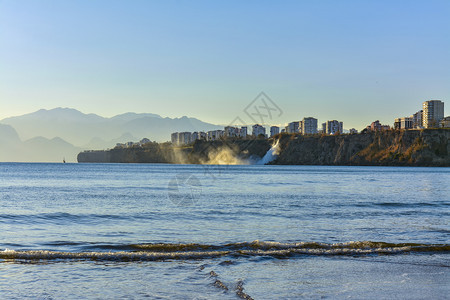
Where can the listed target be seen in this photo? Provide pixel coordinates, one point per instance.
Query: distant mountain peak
(132, 115)
(79, 128)
(60, 113)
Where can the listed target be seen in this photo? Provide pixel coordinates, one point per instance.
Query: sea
(162, 231)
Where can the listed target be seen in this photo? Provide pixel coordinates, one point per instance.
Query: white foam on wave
(149, 252)
(338, 251)
(279, 250)
(317, 245)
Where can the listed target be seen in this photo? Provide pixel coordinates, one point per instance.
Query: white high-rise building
(293, 127)
(215, 135)
(184, 138)
(309, 125)
(231, 131)
(258, 129)
(406, 123)
(417, 119)
(195, 136)
(333, 127)
(174, 138)
(243, 132)
(433, 113)
(274, 130)
(211, 135)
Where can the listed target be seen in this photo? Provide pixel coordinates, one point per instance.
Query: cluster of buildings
(309, 126)
(183, 138)
(133, 144)
(377, 126)
(306, 126)
(431, 116)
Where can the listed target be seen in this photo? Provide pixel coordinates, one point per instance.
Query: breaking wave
(152, 252)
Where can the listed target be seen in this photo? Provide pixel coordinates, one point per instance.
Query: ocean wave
(151, 252)
(62, 218)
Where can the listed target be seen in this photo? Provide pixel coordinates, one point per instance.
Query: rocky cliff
(202, 152)
(149, 153)
(387, 148)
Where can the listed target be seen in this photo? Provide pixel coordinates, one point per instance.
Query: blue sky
(355, 61)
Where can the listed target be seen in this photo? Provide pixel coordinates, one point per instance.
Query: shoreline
(415, 148)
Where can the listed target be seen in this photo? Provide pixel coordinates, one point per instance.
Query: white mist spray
(224, 156)
(271, 154)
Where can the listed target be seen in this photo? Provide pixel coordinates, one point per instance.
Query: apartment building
(433, 113)
(274, 130)
(258, 129)
(332, 127)
(309, 125)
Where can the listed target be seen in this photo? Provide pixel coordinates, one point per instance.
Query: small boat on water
(64, 160)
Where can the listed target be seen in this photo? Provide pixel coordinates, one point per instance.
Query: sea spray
(225, 156)
(273, 152)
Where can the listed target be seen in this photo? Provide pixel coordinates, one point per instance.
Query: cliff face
(229, 151)
(216, 152)
(387, 148)
(150, 153)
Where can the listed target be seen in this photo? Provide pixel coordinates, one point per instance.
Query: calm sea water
(223, 232)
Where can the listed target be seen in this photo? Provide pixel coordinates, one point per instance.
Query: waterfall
(271, 154)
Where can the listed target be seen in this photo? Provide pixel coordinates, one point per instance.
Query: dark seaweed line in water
(151, 252)
(239, 289)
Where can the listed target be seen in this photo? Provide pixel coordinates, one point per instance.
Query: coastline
(416, 148)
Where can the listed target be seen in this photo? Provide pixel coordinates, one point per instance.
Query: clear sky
(355, 61)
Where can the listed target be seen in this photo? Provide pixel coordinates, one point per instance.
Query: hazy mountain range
(51, 135)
